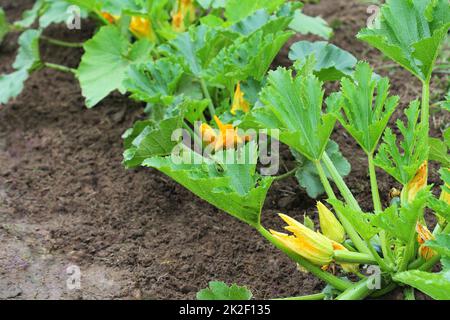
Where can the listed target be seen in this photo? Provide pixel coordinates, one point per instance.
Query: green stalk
(374, 185)
(343, 256)
(425, 115)
(357, 241)
(385, 247)
(336, 282)
(358, 291)
(205, 90)
(379, 293)
(377, 257)
(323, 178)
(63, 43)
(340, 183)
(286, 175)
(317, 296)
(408, 293)
(59, 67)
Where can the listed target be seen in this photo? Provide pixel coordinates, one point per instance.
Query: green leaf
(236, 10)
(224, 186)
(436, 285)
(27, 60)
(28, 56)
(401, 222)
(11, 85)
(332, 63)
(366, 107)
(4, 25)
(441, 244)
(108, 56)
(246, 57)
(362, 222)
(411, 33)
(199, 46)
(439, 151)
(307, 174)
(149, 139)
(447, 137)
(315, 25)
(403, 161)
(293, 104)
(56, 11)
(221, 291)
(440, 207)
(30, 16)
(154, 82)
(89, 5)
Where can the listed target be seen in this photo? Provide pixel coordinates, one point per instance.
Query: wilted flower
(239, 103)
(417, 183)
(329, 225)
(423, 235)
(187, 7)
(142, 28)
(227, 138)
(186, 10)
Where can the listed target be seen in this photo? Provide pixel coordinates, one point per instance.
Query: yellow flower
(347, 267)
(311, 245)
(111, 18)
(142, 28)
(329, 225)
(423, 235)
(227, 138)
(178, 22)
(188, 9)
(239, 103)
(417, 183)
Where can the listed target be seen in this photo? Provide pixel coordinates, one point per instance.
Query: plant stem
(343, 256)
(205, 90)
(425, 115)
(62, 43)
(317, 296)
(357, 292)
(358, 242)
(323, 178)
(59, 67)
(387, 254)
(374, 185)
(379, 293)
(286, 175)
(408, 293)
(336, 282)
(343, 188)
(377, 257)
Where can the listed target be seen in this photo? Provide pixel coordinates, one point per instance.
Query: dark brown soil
(67, 200)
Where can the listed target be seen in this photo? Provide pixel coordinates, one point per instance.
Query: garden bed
(66, 199)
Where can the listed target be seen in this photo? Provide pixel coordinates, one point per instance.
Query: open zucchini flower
(239, 103)
(417, 183)
(311, 245)
(111, 18)
(227, 138)
(423, 235)
(329, 224)
(142, 28)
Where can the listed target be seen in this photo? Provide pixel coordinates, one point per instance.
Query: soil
(66, 201)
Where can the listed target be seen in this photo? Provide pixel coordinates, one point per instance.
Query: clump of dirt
(67, 201)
